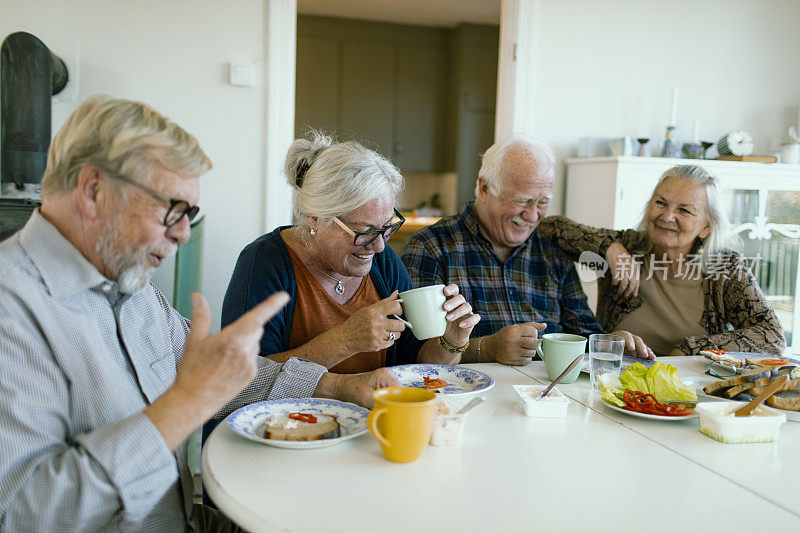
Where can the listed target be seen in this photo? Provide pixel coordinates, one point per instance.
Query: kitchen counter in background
(399, 240)
(420, 188)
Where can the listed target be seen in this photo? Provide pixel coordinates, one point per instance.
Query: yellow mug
(401, 421)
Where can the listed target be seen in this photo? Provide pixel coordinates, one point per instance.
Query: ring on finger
(391, 336)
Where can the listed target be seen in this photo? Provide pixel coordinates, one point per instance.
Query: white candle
(798, 118)
(696, 137)
(674, 108)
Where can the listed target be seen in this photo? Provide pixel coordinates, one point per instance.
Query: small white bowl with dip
(717, 421)
(554, 405)
(447, 425)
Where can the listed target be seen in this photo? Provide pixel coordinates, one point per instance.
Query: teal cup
(558, 350)
(423, 311)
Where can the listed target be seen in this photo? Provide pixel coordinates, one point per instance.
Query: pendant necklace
(339, 289)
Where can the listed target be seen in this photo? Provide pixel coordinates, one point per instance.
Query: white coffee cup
(423, 311)
(790, 153)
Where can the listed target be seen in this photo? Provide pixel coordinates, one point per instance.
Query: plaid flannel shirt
(538, 282)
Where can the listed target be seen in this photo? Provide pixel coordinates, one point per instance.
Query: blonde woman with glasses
(335, 264)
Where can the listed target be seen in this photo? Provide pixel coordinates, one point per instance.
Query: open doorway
(421, 95)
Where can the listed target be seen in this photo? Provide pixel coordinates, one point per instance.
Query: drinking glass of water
(605, 356)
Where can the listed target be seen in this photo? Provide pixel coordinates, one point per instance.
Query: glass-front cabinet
(768, 223)
(762, 202)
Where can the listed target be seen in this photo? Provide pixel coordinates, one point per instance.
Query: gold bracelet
(478, 350)
(452, 348)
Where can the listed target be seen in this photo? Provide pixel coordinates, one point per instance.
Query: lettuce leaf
(611, 390)
(633, 378)
(660, 380)
(664, 384)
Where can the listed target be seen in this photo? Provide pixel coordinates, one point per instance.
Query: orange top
(315, 312)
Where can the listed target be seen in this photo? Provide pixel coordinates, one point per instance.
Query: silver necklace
(339, 289)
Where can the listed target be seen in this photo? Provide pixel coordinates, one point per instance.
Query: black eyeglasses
(177, 208)
(363, 238)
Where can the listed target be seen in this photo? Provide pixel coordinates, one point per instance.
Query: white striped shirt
(79, 362)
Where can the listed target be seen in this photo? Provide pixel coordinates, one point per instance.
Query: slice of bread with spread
(789, 401)
(748, 377)
(754, 381)
(281, 427)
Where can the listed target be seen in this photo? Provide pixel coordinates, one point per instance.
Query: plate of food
(698, 382)
(670, 418)
(300, 423)
(738, 362)
(654, 392)
(443, 378)
(752, 380)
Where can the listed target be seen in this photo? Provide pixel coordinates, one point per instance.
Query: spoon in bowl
(566, 371)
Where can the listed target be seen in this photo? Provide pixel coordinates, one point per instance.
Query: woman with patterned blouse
(678, 284)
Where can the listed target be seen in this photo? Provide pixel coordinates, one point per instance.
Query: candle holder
(644, 150)
(671, 148)
(692, 150)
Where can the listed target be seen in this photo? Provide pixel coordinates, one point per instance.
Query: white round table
(596, 470)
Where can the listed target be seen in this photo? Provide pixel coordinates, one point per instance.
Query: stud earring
(312, 231)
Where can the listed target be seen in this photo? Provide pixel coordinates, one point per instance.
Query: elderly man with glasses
(335, 264)
(520, 282)
(102, 381)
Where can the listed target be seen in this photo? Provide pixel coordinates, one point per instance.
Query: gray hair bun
(301, 155)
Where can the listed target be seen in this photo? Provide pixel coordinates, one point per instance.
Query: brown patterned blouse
(736, 313)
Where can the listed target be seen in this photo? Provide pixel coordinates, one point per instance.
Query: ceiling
(445, 13)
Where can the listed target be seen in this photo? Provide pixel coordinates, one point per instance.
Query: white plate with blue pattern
(250, 420)
(460, 379)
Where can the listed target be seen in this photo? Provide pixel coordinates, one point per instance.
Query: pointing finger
(201, 318)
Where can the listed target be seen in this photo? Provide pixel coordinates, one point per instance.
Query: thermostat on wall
(243, 74)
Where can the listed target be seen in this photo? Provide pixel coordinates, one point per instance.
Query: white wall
(603, 68)
(174, 55)
(607, 68)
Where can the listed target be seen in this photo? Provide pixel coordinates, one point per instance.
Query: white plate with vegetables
(646, 415)
(649, 392)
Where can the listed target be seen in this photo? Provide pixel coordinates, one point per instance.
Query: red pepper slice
(303, 417)
(646, 403)
(434, 383)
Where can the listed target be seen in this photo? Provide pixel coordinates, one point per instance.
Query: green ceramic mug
(558, 350)
(423, 310)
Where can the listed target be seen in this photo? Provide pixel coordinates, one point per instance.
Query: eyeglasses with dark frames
(177, 208)
(363, 238)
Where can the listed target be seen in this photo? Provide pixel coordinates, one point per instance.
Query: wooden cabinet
(384, 85)
(762, 201)
(475, 86)
(317, 83)
(367, 79)
(420, 124)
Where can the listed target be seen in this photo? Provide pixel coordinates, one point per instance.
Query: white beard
(131, 272)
